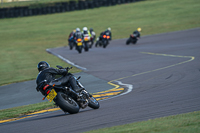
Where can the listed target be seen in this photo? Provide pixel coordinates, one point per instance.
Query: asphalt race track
(161, 74)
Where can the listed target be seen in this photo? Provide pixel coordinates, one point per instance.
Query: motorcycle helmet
(109, 28)
(77, 29)
(42, 65)
(91, 29)
(139, 29)
(84, 28)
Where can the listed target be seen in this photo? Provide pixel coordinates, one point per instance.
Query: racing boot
(74, 85)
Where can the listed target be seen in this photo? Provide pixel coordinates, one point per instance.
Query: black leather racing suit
(107, 32)
(49, 74)
(78, 34)
(137, 33)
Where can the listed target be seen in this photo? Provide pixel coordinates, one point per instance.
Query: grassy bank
(24, 40)
(23, 110)
(184, 123)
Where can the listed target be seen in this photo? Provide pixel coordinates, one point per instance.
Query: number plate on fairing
(51, 95)
(79, 44)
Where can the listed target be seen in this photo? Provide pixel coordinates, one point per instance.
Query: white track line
(66, 60)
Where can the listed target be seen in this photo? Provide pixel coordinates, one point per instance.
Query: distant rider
(48, 73)
(86, 31)
(93, 35)
(71, 35)
(137, 32)
(71, 39)
(78, 34)
(87, 35)
(107, 32)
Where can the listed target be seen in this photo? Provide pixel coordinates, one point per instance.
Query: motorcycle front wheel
(66, 103)
(93, 103)
(128, 41)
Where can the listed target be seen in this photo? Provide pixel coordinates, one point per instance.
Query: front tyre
(66, 103)
(93, 103)
(128, 41)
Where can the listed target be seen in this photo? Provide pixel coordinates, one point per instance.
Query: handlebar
(67, 68)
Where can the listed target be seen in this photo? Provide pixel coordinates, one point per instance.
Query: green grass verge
(183, 123)
(23, 110)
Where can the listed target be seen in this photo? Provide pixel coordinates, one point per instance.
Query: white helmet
(77, 29)
(85, 29)
(109, 28)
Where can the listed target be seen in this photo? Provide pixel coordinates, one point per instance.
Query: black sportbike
(65, 97)
(132, 39)
(103, 41)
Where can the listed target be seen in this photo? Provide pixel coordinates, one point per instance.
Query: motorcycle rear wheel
(79, 49)
(97, 43)
(66, 103)
(93, 103)
(105, 43)
(70, 45)
(86, 47)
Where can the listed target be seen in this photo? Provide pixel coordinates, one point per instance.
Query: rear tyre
(86, 47)
(93, 103)
(71, 45)
(97, 43)
(79, 49)
(105, 43)
(66, 103)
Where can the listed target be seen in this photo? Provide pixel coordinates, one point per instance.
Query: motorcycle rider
(48, 73)
(71, 38)
(93, 35)
(107, 32)
(78, 34)
(86, 32)
(71, 35)
(137, 32)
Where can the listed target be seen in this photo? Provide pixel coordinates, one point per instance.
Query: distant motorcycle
(65, 97)
(92, 39)
(86, 42)
(79, 45)
(103, 42)
(132, 39)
